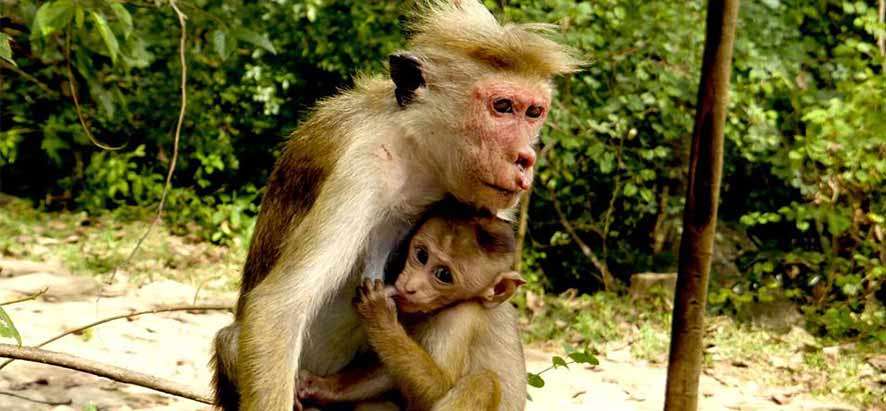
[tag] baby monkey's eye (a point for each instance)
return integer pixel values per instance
(443, 274)
(421, 255)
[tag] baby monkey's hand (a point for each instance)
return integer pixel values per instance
(314, 388)
(374, 302)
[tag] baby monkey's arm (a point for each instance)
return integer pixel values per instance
(421, 379)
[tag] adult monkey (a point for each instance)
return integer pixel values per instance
(461, 116)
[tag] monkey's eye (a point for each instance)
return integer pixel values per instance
(443, 274)
(421, 255)
(534, 111)
(503, 106)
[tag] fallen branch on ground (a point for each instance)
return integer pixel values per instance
(102, 370)
(23, 299)
(130, 315)
(38, 401)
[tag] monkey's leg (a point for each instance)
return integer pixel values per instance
(224, 361)
(477, 391)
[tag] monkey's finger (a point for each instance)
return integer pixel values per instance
(379, 285)
(390, 291)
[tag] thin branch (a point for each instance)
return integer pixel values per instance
(130, 315)
(102, 370)
(22, 397)
(30, 78)
(178, 129)
(604, 277)
(72, 83)
(521, 229)
(28, 298)
(882, 40)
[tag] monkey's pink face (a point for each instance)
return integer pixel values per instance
(502, 128)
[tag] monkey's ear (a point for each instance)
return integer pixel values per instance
(407, 76)
(503, 287)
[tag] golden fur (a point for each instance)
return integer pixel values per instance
(349, 184)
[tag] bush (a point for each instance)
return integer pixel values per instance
(805, 159)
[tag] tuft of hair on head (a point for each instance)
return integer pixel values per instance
(495, 236)
(467, 30)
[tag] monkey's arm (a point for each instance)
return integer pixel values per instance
(423, 378)
(317, 257)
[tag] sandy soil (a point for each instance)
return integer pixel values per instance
(176, 346)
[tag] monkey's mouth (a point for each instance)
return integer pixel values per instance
(500, 189)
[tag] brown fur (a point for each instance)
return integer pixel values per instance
(357, 174)
(457, 354)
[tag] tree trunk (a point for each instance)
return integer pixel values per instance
(700, 215)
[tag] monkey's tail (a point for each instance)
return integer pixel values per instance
(225, 396)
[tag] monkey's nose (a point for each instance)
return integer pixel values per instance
(525, 159)
(404, 289)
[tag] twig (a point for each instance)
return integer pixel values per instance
(102, 370)
(72, 83)
(49, 92)
(585, 249)
(882, 40)
(28, 298)
(22, 397)
(130, 315)
(521, 229)
(178, 129)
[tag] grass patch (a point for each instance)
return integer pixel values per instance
(95, 244)
(794, 360)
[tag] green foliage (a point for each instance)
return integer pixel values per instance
(253, 71)
(7, 328)
(805, 153)
(583, 356)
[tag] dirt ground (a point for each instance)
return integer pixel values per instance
(176, 346)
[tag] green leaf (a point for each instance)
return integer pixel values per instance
(53, 16)
(7, 328)
(559, 362)
(254, 38)
(107, 35)
(535, 380)
(583, 357)
(79, 17)
(630, 189)
(5, 49)
(220, 44)
(124, 17)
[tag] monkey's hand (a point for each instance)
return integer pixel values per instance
(314, 388)
(375, 304)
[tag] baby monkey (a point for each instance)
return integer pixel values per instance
(456, 345)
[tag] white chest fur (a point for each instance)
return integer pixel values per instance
(337, 331)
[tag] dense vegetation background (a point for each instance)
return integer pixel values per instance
(804, 193)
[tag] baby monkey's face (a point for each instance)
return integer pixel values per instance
(452, 261)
